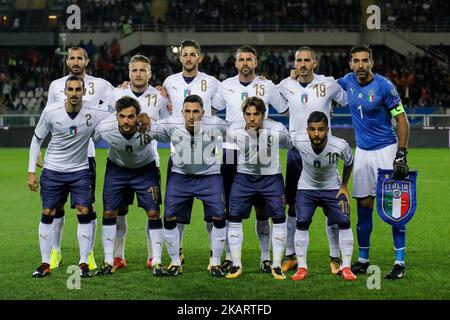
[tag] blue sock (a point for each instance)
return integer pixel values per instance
(399, 234)
(363, 231)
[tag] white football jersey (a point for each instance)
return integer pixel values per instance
(194, 154)
(68, 147)
(316, 96)
(129, 153)
(259, 154)
(152, 103)
(97, 92)
(203, 85)
(231, 94)
(320, 171)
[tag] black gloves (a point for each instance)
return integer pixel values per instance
(400, 167)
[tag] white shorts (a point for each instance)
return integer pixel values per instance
(365, 169)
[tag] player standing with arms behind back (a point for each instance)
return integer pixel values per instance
(373, 101)
(307, 93)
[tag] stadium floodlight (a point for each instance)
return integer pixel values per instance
(174, 49)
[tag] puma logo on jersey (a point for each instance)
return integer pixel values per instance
(174, 88)
(57, 122)
(352, 90)
(231, 90)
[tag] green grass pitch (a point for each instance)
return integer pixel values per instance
(427, 257)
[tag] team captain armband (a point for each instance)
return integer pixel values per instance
(397, 110)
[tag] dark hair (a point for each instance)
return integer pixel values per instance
(77, 49)
(361, 48)
(247, 49)
(318, 116)
(126, 102)
(74, 78)
(194, 99)
(190, 43)
(309, 49)
(256, 102)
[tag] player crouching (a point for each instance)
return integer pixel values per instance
(321, 185)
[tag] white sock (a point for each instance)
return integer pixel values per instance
(58, 227)
(119, 245)
(301, 240)
(149, 242)
(84, 234)
(333, 239)
(346, 241)
(108, 239)
(263, 232)
(45, 241)
(218, 242)
(291, 226)
(209, 227)
(180, 227)
(157, 240)
(94, 233)
(227, 246)
(278, 242)
(172, 239)
(235, 238)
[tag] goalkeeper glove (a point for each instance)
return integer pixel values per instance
(400, 167)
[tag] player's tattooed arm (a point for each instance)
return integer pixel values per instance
(343, 190)
(144, 122)
(32, 181)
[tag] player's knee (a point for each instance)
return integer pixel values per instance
(49, 212)
(366, 202)
(219, 222)
(303, 225)
(110, 214)
(82, 210)
(170, 223)
(153, 214)
(278, 220)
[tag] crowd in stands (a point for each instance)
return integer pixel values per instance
(238, 15)
(25, 74)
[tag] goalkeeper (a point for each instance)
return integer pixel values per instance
(373, 102)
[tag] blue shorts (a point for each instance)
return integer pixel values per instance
(293, 170)
(56, 186)
(122, 182)
(169, 172)
(93, 170)
(247, 188)
(308, 200)
(181, 190)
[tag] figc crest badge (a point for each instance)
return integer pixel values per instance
(396, 199)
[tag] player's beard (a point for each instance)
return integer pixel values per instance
(246, 71)
(190, 68)
(140, 85)
(127, 129)
(79, 71)
(362, 74)
(317, 142)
